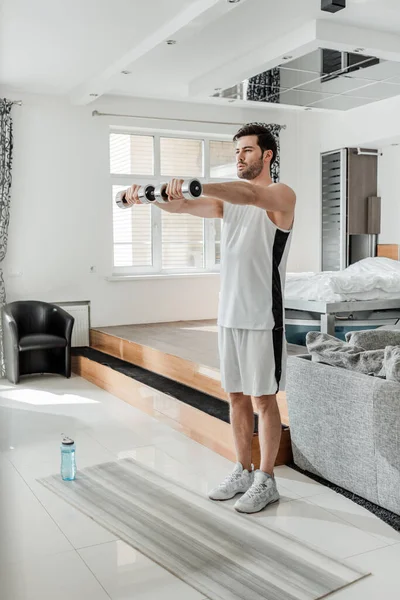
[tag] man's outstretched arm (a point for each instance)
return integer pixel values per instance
(276, 197)
(207, 208)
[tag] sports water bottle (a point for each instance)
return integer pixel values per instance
(68, 464)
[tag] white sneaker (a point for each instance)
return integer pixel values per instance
(262, 492)
(238, 482)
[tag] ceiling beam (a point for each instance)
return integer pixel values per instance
(103, 82)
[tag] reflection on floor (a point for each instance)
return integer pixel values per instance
(49, 550)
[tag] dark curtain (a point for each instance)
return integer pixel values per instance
(265, 87)
(276, 167)
(6, 149)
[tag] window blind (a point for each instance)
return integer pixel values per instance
(181, 157)
(182, 244)
(182, 241)
(222, 160)
(131, 154)
(331, 216)
(132, 232)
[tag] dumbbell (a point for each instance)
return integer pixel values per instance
(191, 189)
(148, 194)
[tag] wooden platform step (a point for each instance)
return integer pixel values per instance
(199, 377)
(198, 425)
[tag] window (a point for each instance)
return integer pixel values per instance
(182, 242)
(131, 154)
(132, 235)
(146, 239)
(222, 160)
(181, 157)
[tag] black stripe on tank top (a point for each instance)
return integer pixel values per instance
(280, 241)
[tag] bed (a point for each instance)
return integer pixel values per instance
(366, 294)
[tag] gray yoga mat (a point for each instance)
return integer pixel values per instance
(224, 556)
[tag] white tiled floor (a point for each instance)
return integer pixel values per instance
(49, 550)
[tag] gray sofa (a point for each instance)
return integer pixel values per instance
(345, 427)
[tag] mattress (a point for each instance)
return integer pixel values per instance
(368, 279)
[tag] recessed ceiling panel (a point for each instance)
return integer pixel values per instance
(302, 98)
(290, 77)
(324, 78)
(341, 103)
(339, 85)
(394, 80)
(376, 91)
(308, 62)
(378, 72)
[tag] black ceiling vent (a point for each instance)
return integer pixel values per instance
(333, 6)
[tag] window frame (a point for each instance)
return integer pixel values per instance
(209, 232)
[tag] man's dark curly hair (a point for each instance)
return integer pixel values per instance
(265, 138)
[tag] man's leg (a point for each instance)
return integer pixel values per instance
(242, 421)
(269, 431)
(260, 366)
(242, 477)
(264, 490)
(241, 410)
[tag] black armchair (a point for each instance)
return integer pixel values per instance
(36, 339)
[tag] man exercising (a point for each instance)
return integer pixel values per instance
(257, 222)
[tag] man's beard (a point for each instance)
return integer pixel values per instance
(252, 171)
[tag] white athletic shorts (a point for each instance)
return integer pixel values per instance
(252, 361)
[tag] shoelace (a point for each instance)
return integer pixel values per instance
(230, 478)
(256, 489)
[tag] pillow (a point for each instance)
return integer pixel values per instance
(328, 349)
(392, 363)
(374, 339)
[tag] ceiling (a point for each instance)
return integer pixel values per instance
(80, 49)
(323, 79)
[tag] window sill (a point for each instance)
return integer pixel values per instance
(162, 276)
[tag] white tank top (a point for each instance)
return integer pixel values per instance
(254, 254)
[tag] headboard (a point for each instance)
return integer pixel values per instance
(388, 251)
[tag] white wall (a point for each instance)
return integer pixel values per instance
(306, 244)
(61, 207)
(366, 126)
(389, 191)
(373, 126)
